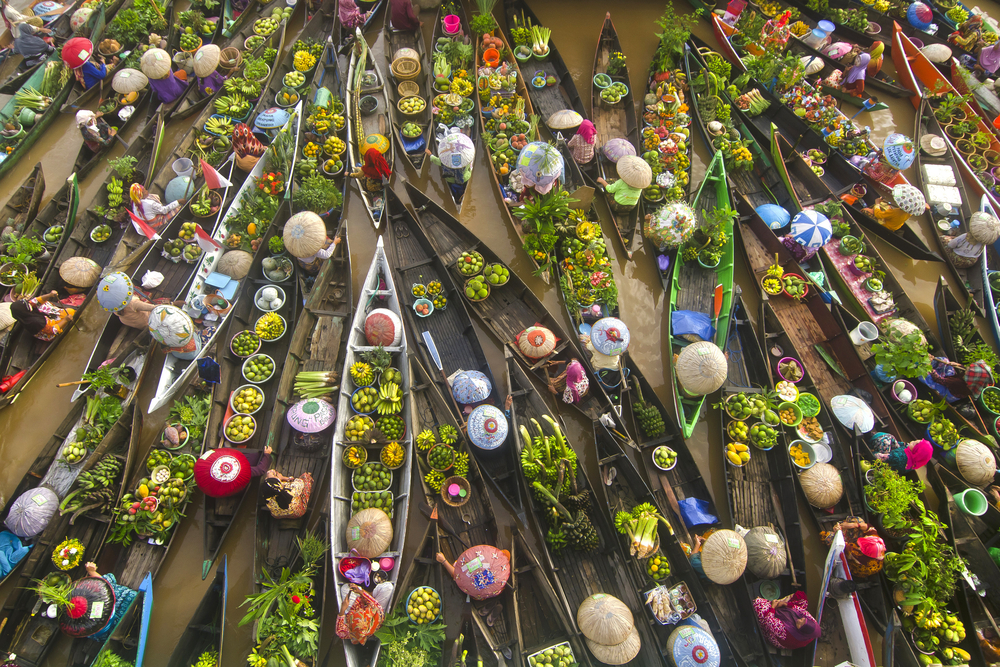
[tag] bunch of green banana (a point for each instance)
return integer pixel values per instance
(234, 105)
(390, 399)
(115, 192)
(94, 488)
(962, 322)
(222, 126)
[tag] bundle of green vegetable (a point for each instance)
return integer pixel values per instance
(29, 98)
(313, 384)
(640, 526)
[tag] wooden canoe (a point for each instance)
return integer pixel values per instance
(22, 207)
(129, 636)
(377, 290)
(13, 73)
(395, 40)
(614, 122)
(206, 629)
(693, 287)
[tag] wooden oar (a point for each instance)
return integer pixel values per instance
(436, 358)
(719, 291)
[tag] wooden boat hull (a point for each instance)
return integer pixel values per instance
(205, 631)
(128, 639)
(395, 40)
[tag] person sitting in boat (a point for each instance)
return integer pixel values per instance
(909, 201)
(29, 42)
(311, 265)
(582, 145)
(624, 197)
(375, 170)
(94, 71)
(786, 623)
(863, 547)
(96, 133)
(402, 16)
(287, 497)
(350, 16)
(855, 68)
(969, 35)
(224, 472)
(149, 207)
(900, 456)
(876, 54)
(955, 381)
(42, 318)
(123, 598)
(456, 153)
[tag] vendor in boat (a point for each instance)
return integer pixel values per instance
(909, 201)
(350, 16)
(206, 60)
(375, 169)
(969, 35)
(96, 133)
(456, 153)
(583, 143)
(988, 60)
(635, 175)
(93, 71)
(900, 456)
(31, 41)
(786, 623)
(956, 381)
(311, 265)
(402, 16)
(855, 68)
(167, 85)
(225, 472)
(864, 548)
(287, 497)
(84, 608)
(149, 207)
(41, 316)
(876, 54)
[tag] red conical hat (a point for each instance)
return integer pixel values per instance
(222, 472)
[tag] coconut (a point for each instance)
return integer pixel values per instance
(605, 619)
(369, 532)
(235, 264)
(724, 556)
(822, 485)
(276, 303)
(766, 556)
(269, 294)
(976, 463)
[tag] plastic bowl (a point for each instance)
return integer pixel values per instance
(657, 464)
(729, 461)
(256, 297)
(225, 429)
(798, 363)
(794, 408)
(243, 369)
(602, 80)
(283, 331)
(241, 388)
(807, 448)
(439, 606)
(423, 302)
(52, 244)
(244, 356)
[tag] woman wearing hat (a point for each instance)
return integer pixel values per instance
(582, 145)
(96, 133)
(635, 175)
(855, 68)
(155, 64)
(206, 59)
(149, 207)
(350, 16)
(955, 381)
(375, 169)
(864, 549)
(457, 152)
(901, 456)
(225, 472)
(42, 318)
(28, 42)
(909, 202)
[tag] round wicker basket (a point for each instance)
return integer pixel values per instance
(408, 89)
(405, 68)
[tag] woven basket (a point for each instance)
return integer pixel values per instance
(408, 89)
(405, 68)
(246, 163)
(230, 59)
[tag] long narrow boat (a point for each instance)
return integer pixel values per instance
(761, 493)
(471, 130)
(395, 41)
(990, 264)
(366, 81)
(23, 353)
(500, 179)
(986, 525)
(22, 207)
(378, 290)
(176, 372)
(605, 571)
(978, 607)
(12, 69)
(220, 513)
(469, 523)
(919, 75)
(510, 310)
(614, 122)
(128, 639)
(318, 343)
(548, 99)
(693, 286)
(11, 108)
(206, 629)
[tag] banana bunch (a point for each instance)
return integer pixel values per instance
(234, 105)
(94, 488)
(390, 399)
(115, 192)
(222, 126)
(963, 323)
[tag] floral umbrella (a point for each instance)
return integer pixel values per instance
(671, 225)
(470, 387)
(540, 165)
(115, 291)
(909, 198)
(610, 336)
(811, 228)
(899, 151)
(487, 427)
(851, 411)
(170, 326)
(482, 571)
(311, 415)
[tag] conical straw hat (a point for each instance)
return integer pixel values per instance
(304, 234)
(206, 59)
(128, 81)
(155, 63)
(80, 271)
(701, 368)
(635, 171)
(724, 556)
(564, 119)
(617, 654)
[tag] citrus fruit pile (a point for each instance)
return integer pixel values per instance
(258, 368)
(476, 289)
(372, 476)
(247, 400)
(497, 274)
(664, 457)
(240, 428)
(423, 605)
(738, 454)
(245, 343)
(470, 263)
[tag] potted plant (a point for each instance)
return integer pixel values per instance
(861, 265)
(874, 282)
(19, 256)
(709, 258)
(851, 245)
(992, 158)
(956, 130)
(981, 140)
(903, 355)
(950, 108)
(977, 162)
(965, 147)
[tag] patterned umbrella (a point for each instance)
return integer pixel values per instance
(470, 387)
(114, 291)
(909, 198)
(617, 148)
(811, 228)
(540, 165)
(536, 342)
(222, 472)
(899, 151)
(775, 216)
(378, 141)
(609, 336)
(482, 571)
(456, 151)
(487, 427)
(919, 15)
(671, 225)
(851, 411)
(170, 326)
(92, 605)
(311, 415)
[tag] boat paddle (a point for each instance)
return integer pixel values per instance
(436, 358)
(432, 514)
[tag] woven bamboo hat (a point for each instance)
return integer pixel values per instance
(206, 59)
(635, 171)
(564, 119)
(701, 368)
(128, 81)
(724, 556)
(155, 63)
(617, 654)
(80, 271)
(304, 234)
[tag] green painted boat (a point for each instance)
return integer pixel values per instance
(694, 286)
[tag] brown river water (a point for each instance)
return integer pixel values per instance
(575, 24)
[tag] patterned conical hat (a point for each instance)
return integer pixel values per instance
(909, 198)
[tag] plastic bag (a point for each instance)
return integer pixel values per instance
(695, 512)
(152, 279)
(692, 326)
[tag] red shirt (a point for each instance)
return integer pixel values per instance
(403, 16)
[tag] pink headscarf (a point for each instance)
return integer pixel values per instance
(587, 131)
(918, 455)
(577, 383)
(350, 15)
